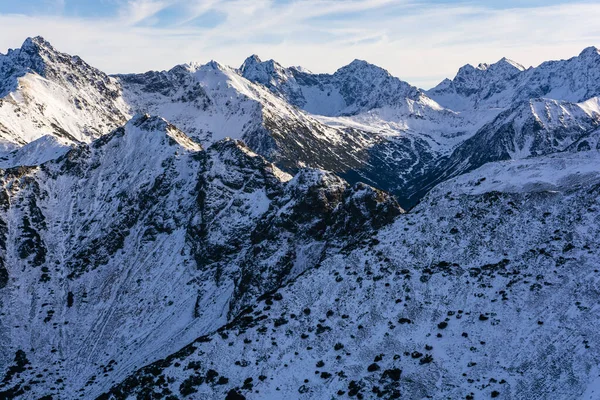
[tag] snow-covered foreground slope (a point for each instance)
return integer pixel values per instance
(122, 251)
(487, 289)
(45, 92)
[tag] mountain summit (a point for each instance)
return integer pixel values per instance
(46, 92)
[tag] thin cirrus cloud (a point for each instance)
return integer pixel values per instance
(421, 41)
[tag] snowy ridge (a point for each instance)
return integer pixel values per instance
(362, 96)
(348, 91)
(37, 152)
(474, 86)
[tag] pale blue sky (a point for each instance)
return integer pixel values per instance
(421, 41)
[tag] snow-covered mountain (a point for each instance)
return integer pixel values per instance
(486, 113)
(407, 128)
(211, 102)
(506, 82)
(45, 92)
(531, 128)
(363, 96)
(476, 87)
(235, 238)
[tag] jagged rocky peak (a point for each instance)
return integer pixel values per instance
(361, 66)
(234, 153)
(212, 64)
(576, 79)
(250, 62)
(591, 51)
(507, 62)
(269, 73)
(367, 74)
(151, 130)
(365, 86)
(503, 65)
(37, 45)
(346, 209)
(33, 54)
(357, 87)
(479, 87)
(503, 69)
(500, 85)
(148, 123)
(39, 56)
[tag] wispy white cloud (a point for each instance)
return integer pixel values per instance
(134, 11)
(419, 42)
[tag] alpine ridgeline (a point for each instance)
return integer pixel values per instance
(240, 233)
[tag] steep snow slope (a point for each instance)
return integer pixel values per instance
(44, 92)
(487, 289)
(39, 151)
(86, 251)
(122, 251)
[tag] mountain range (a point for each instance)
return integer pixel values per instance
(264, 232)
